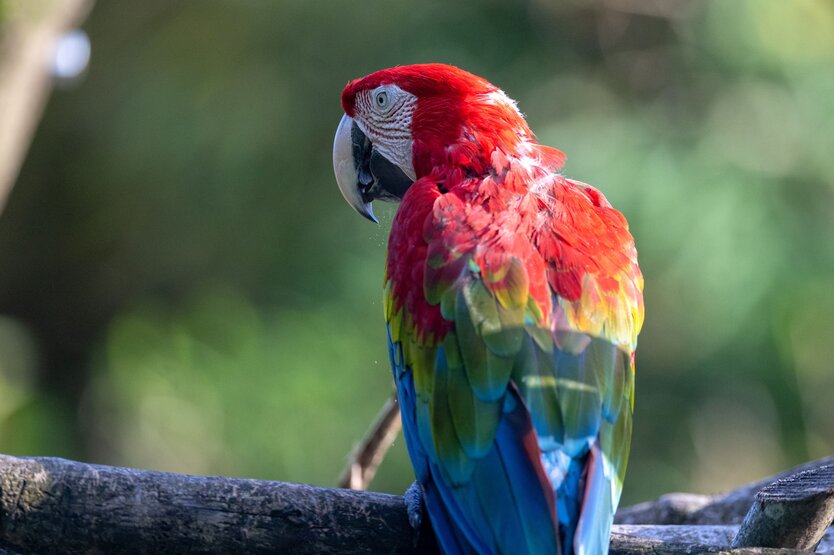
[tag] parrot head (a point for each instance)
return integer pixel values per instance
(402, 123)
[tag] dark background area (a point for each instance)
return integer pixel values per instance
(183, 288)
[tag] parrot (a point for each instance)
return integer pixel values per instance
(512, 300)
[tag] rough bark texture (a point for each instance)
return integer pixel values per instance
(792, 512)
(687, 508)
(643, 538)
(58, 506)
(631, 545)
(27, 40)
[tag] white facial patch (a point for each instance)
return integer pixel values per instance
(384, 115)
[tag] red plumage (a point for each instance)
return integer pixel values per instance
(513, 305)
(575, 230)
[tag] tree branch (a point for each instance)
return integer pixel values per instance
(793, 512)
(688, 508)
(58, 506)
(642, 539)
(365, 459)
(27, 41)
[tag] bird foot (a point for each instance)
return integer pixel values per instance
(415, 506)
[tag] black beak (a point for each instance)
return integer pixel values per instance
(379, 178)
(362, 172)
(362, 150)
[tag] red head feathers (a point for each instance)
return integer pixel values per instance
(459, 120)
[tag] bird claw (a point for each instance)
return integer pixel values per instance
(413, 497)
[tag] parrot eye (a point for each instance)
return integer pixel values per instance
(381, 100)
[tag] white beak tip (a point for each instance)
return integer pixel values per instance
(368, 212)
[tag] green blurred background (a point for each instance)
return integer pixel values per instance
(183, 288)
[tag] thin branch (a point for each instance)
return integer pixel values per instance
(366, 457)
(28, 40)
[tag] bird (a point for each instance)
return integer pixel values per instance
(513, 300)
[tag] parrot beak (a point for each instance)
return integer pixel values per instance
(363, 173)
(354, 181)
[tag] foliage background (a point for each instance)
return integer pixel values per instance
(182, 287)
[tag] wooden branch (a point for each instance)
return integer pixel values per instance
(687, 508)
(794, 512)
(642, 539)
(365, 459)
(59, 506)
(28, 41)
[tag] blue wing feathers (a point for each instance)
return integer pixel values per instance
(551, 479)
(445, 514)
(594, 526)
(530, 487)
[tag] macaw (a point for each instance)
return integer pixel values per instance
(513, 301)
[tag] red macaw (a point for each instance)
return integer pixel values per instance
(513, 301)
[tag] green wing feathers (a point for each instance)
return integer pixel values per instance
(577, 388)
